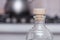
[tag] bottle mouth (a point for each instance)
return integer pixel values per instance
(39, 11)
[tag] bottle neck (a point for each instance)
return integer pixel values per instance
(39, 25)
(40, 22)
(39, 19)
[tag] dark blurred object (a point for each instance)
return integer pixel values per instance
(23, 14)
(6, 19)
(56, 19)
(49, 20)
(3, 18)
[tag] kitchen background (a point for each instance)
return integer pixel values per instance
(19, 31)
(52, 11)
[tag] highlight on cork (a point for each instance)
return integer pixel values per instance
(39, 11)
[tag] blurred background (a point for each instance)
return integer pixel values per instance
(15, 26)
(52, 11)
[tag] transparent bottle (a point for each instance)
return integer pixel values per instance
(39, 31)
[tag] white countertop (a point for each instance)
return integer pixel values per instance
(17, 31)
(20, 37)
(19, 28)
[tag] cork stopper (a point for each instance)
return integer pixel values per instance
(39, 14)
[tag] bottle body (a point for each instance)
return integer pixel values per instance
(39, 32)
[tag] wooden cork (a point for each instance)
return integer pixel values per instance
(39, 14)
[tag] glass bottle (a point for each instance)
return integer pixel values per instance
(39, 31)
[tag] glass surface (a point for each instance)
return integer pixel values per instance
(39, 32)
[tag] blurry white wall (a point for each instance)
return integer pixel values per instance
(52, 6)
(2, 3)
